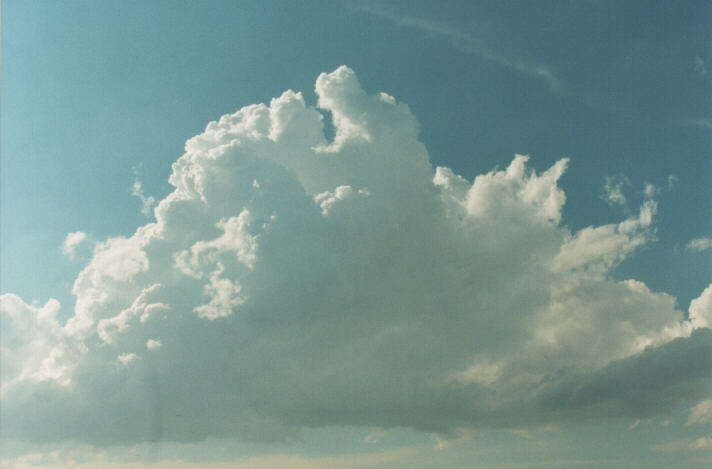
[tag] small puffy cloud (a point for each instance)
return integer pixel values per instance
(71, 242)
(147, 203)
(704, 442)
(126, 358)
(650, 190)
(613, 190)
(152, 344)
(292, 282)
(700, 68)
(701, 413)
(672, 181)
(699, 244)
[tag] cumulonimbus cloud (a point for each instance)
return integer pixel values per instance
(289, 281)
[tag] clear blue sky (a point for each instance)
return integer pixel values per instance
(97, 95)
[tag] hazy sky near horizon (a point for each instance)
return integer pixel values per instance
(453, 234)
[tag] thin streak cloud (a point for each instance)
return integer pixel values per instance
(465, 41)
(704, 123)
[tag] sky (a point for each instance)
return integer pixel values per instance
(355, 234)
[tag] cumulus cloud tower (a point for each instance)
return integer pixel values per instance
(289, 281)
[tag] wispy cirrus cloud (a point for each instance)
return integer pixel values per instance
(467, 41)
(684, 446)
(704, 123)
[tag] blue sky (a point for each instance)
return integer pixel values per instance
(97, 96)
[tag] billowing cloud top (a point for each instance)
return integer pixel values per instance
(289, 281)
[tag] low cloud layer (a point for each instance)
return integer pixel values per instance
(292, 282)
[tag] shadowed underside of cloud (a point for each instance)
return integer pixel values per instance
(292, 282)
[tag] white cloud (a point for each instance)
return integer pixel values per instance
(484, 373)
(31, 343)
(71, 242)
(672, 181)
(466, 41)
(224, 296)
(108, 328)
(704, 442)
(701, 309)
(701, 413)
(650, 190)
(152, 344)
(147, 203)
(352, 285)
(327, 199)
(613, 191)
(126, 358)
(599, 249)
(704, 123)
(699, 244)
(700, 67)
(235, 237)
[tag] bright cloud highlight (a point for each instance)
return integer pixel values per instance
(699, 244)
(147, 203)
(71, 242)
